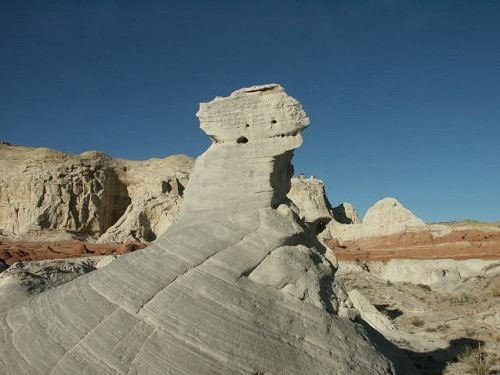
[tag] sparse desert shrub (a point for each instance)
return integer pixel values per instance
(430, 329)
(496, 291)
(443, 327)
(416, 321)
(388, 283)
(476, 359)
(463, 298)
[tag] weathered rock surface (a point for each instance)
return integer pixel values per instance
(50, 195)
(202, 298)
(308, 194)
(427, 271)
(386, 217)
(46, 195)
(369, 313)
(24, 279)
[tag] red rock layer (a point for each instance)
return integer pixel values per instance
(459, 245)
(15, 251)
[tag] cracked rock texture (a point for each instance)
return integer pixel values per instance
(50, 195)
(47, 195)
(309, 196)
(24, 279)
(234, 286)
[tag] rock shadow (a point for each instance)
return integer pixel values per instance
(434, 362)
(390, 313)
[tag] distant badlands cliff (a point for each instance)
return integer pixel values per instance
(50, 195)
(49, 199)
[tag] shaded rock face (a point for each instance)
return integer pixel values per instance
(346, 213)
(204, 298)
(50, 195)
(80, 195)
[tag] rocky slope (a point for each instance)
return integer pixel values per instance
(434, 324)
(236, 285)
(50, 195)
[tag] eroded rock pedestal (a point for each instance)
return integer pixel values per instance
(235, 286)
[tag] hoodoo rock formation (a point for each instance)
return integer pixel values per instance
(234, 286)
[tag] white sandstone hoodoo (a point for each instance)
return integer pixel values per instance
(234, 286)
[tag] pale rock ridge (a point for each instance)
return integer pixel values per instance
(46, 194)
(386, 217)
(203, 298)
(41, 201)
(433, 272)
(74, 194)
(389, 211)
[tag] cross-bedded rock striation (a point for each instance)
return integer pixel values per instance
(234, 286)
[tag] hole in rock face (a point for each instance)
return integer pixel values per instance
(273, 121)
(247, 126)
(242, 140)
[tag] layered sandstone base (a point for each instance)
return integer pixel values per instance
(23, 251)
(459, 244)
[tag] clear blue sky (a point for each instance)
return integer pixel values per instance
(404, 96)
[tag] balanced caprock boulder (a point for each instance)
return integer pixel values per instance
(234, 286)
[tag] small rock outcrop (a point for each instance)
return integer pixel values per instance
(386, 217)
(346, 213)
(389, 215)
(308, 194)
(234, 286)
